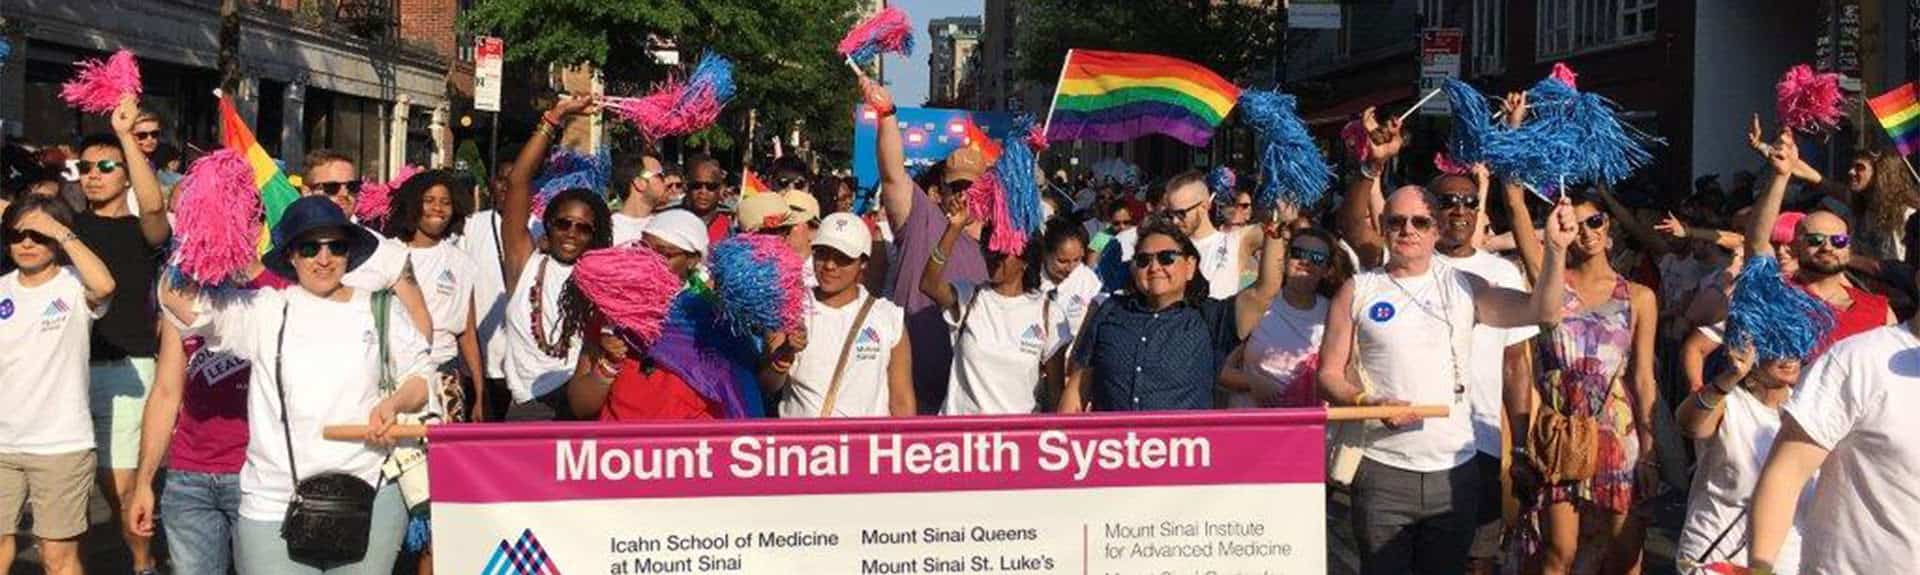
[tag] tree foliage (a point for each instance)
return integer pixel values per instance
(1234, 39)
(783, 52)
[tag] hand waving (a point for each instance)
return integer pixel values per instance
(877, 96)
(1672, 226)
(1383, 141)
(1515, 108)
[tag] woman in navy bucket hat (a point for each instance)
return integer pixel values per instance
(331, 372)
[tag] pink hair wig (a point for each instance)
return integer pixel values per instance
(218, 223)
(1565, 75)
(1809, 102)
(630, 285)
(99, 85)
(887, 31)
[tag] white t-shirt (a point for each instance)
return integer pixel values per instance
(446, 279)
(628, 228)
(1284, 350)
(1487, 383)
(1856, 401)
(863, 386)
(43, 365)
(1127, 239)
(531, 373)
(381, 270)
(1410, 353)
(1220, 262)
(1723, 482)
(332, 370)
(996, 362)
(1079, 293)
(481, 242)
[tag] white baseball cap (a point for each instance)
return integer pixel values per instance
(680, 229)
(846, 233)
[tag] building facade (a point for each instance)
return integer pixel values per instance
(951, 63)
(372, 79)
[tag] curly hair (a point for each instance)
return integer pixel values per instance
(409, 203)
(602, 215)
(1883, 208)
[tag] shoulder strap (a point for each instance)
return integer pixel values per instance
(840, 365)
(280, 387)
(383, 304)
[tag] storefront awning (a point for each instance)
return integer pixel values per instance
(1340, 113)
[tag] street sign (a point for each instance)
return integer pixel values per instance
(488, 53)
(1440, 50)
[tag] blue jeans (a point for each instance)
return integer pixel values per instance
(199, 511)
(258, 548)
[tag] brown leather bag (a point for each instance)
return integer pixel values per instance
(1564, 447)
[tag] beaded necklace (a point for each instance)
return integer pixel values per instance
(557, 349)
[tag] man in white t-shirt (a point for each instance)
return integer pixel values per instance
(1499, 354)
(481, 241)
(876, 377)
(1222, 254)
(1405, 510)
(1850, 419)
(646, 185)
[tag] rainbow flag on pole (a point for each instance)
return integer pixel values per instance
(1899, 112)
(750, 184)
(1119, 96)
(276, 193)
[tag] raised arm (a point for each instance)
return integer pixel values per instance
(1502, 307)
(1700, 415)
(94, 277)
(933, 277)
(146, 185)
(896, 187)
(1783, 156)
(1366, 198)
(1252, 302)
(515, 240)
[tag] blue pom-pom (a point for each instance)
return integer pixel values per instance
(714, 74)
(1472, 123)
(1018, 180)
(758, 281)
(419, 533)
(567, 170)
(1221, 182)
(1568, 138)
(1781, 321)
(1294, 169)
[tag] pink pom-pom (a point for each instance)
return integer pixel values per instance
(631, 285)
(1809, 102)
(887, 31)
(99, 85)
(983, 198)
(1564, 74)
(987, 202)
(1445, 165)
(1037, 139)
(218, 219)
(774, 251)
(1354, 135)
(376, 199)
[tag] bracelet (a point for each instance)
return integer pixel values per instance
(936, 257)
(550, 119)
(606, 369)
(1368, 174)
(70, 236)
(544, 129)
(1361, 398)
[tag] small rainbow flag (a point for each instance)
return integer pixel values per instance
(1899, 112)
(276, 193)
(1119, 96)
(750, 184)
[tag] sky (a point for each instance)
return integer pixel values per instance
(908, 76)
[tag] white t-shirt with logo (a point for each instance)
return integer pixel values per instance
(1487, 383)
(863, 385)
(996, 361)
(481, 242)
(1723, 482)
(43, 364)
(381, 270)
(446, 279)
(1415, 345)
(331, 363)
(1283, 351)
(628, 228)
(1220, 262)
(531, 373)
(1858, 401)
(1077, 294)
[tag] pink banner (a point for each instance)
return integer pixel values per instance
(491, 463)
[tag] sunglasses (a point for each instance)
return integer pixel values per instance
(704, 186)
(311, 248)
(1179, 214)
(1449, 201)
(331, 189)
(790, 183)
(1420, 223)
(1838, 241)
(1315, 257)
(571, 226)
(32, 236)
(147, 135)
(1595, 221)
(1163, 257)
(86, 167)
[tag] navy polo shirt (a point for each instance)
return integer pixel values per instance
(1145, 359)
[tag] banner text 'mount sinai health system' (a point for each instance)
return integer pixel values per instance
(1216, 492)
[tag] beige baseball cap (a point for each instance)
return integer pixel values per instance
(965, 163)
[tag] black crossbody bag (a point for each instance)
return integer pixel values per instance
(330, 517)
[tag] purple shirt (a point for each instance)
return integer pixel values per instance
(926, 330)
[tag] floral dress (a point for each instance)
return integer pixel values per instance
(1583, 368)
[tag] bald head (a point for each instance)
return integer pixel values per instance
(1821, 222)
(1408, 200)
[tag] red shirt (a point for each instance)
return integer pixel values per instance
(652, 393)
(1868, 311)
(720, 228)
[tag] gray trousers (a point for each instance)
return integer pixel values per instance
(1412, 522)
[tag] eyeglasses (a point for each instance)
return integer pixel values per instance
(790, 183)
(705, 186)
(331, 189)
(1315, 257)
(1595, 221)
(1179, 214)
(571, 226)
(1838, 241)
(1449, 201)
(1398, 222)
(311, 248)
(147, 135)
(33, 236)
(85, 167)
(1163, 257)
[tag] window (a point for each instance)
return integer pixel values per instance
(1568, 27)
(1489, 36)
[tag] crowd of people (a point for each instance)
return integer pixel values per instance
(1582, 349)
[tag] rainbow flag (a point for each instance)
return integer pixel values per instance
(1119, 96)
(1899, 112)
(750, 184)
(276, 193)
